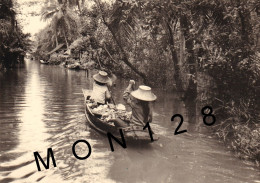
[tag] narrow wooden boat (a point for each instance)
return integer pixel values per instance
(43, 62)
(73, 66)
(131, 133)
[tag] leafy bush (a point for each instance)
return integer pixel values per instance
(241, 130)
(56, 59)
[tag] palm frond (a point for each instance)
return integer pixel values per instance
(123, 19)
(49, 11)
(47, 15)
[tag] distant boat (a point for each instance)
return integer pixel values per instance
(43, 62)
(73, 66)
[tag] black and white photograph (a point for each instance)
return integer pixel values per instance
(130, 91)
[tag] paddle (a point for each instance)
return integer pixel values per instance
(113, 100)
(112, 79)
(111, 97)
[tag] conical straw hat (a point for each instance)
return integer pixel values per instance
(144, 93)
(101, 77)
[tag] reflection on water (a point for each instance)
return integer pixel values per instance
(33, 128)
(42, 106)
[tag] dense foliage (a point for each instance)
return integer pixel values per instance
(13, 42)
(206, 49)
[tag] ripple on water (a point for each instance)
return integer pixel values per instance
(43, 108)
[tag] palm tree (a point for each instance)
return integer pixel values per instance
(63, 21)
(121, 26)
(72, 3)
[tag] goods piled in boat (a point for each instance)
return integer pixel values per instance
(110, 111)
(101, 109)
(124, 115)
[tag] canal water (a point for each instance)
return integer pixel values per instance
(42, 107)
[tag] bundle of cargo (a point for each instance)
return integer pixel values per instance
(101, 109)
(110, 111)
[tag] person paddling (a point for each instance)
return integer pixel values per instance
(140, 102)
(100, 93)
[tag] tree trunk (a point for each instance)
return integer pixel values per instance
(175, 59)
(56, 38)
(191, 91)
(78, 4)
(82, 3)
(67, 44)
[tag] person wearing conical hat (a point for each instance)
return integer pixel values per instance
(139, 100)
(100, 93)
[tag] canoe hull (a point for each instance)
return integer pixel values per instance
(43, 62)
(133, 134)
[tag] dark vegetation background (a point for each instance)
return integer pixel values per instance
(206, 50)
(13, 43)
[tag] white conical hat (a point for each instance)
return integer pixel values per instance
(144, 93)
(101, 77)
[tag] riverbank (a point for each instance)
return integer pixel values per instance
(240, 131)
(68, 62)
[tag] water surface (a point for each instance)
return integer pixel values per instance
(42, 106)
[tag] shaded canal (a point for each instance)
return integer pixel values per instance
(42, 106)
